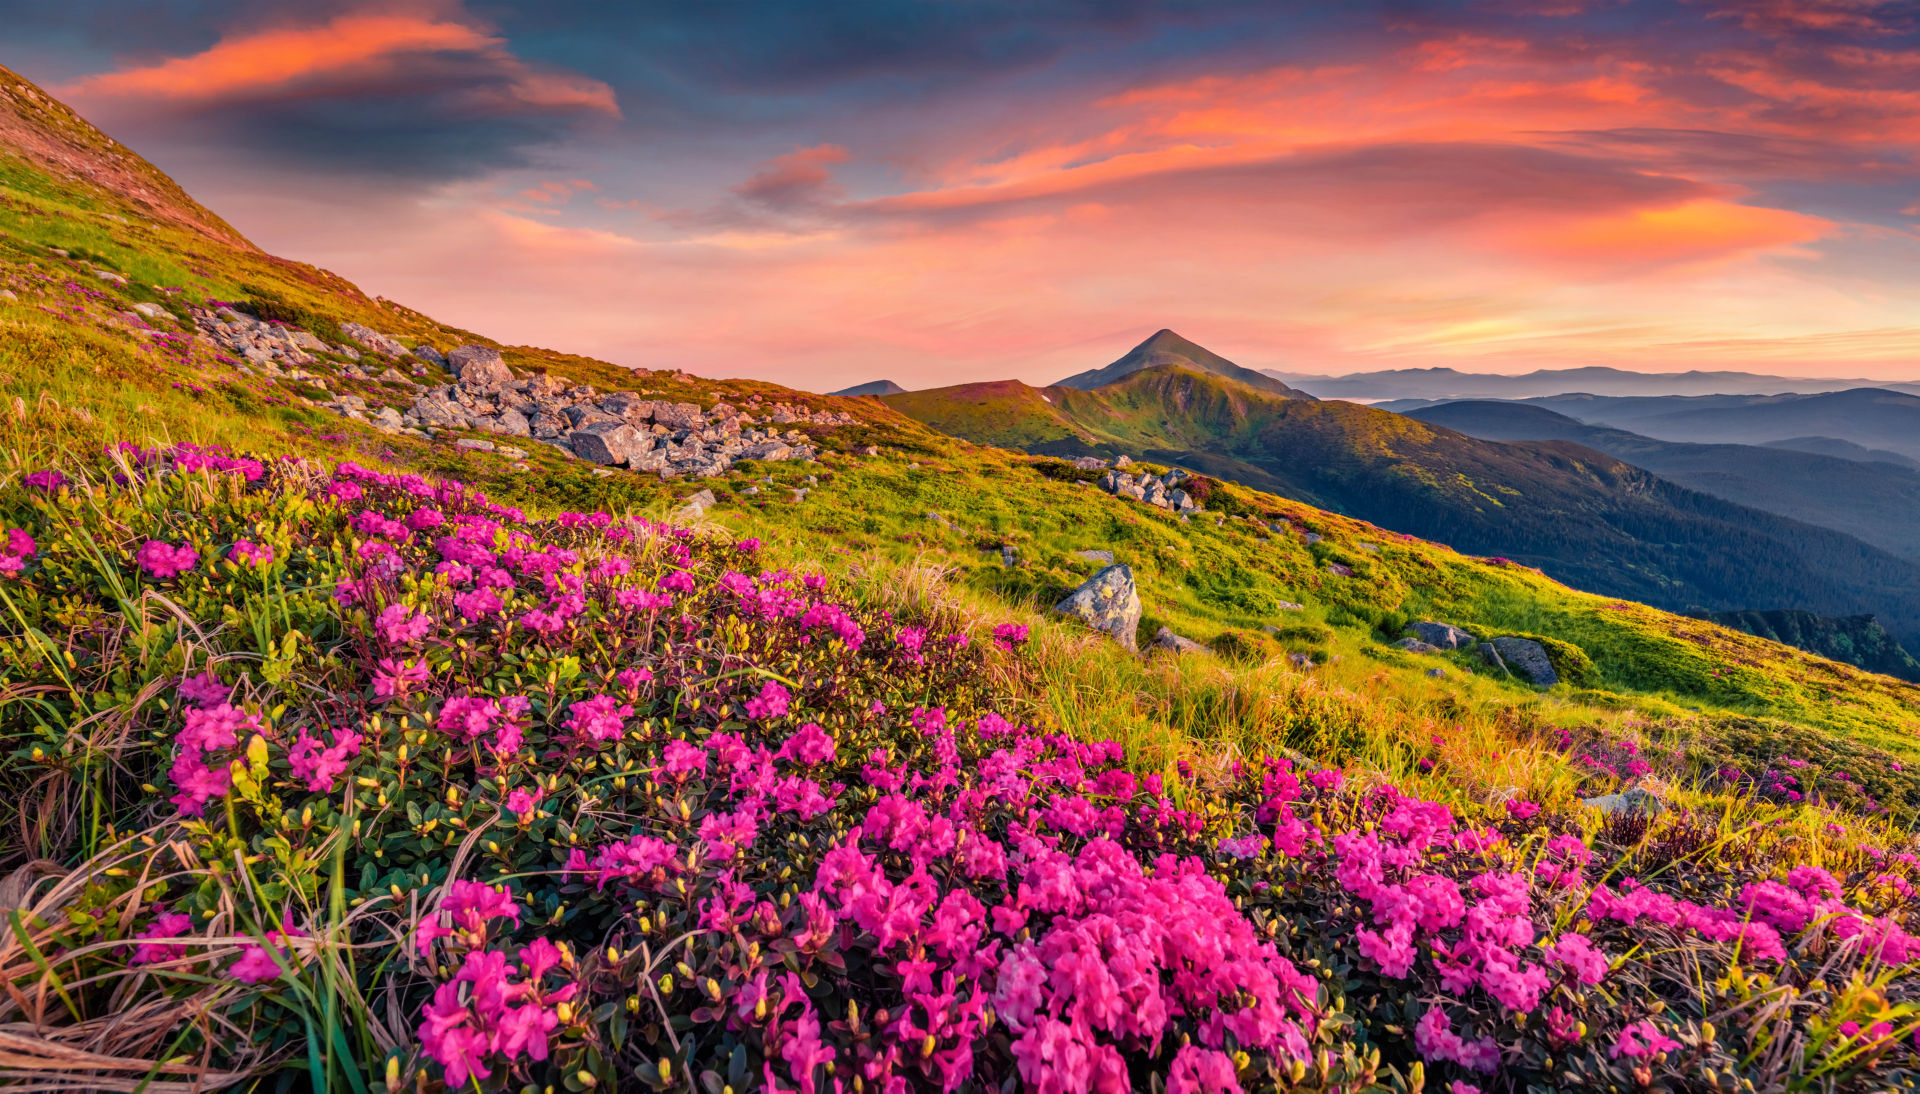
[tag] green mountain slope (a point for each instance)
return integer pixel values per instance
(1164, 348)
(1876, 502)
(1855, 639)
(1585, 517)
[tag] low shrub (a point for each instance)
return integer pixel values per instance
(405, 785)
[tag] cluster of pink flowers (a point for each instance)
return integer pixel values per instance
(493, 1009)
(164, 560)
(47, 479)
(500, 723)
(601, 718)
(200, 770)
(248, 553)
(317, 764)
(17, 549)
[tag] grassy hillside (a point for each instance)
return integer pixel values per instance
(1587, 518)
(321, 770)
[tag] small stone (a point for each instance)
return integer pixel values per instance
(696, 506)
(1414, 645)
(1165, 639)
(1339, 569)
(1095, 556)
(474, 444)
(1290, 606)
(1632, 800)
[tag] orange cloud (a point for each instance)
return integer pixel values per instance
(1697, 231)
(271, 61)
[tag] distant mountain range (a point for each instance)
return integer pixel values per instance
(1438, 384)
(1878, 502)
(1869, 418)
(871, 387)
(1588, 518)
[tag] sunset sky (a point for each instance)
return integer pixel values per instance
(936, 191)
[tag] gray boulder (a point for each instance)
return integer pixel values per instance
(611, 442)
(479, 366)
(1632, 800)
(1166, 640)
(1414, 645)
(429, 354)
(1444, 635)
(373, 339)
(1528, 660)
(1108, 602)
(512, 423)
(680, 415)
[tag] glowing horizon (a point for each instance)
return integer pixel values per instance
(1492, 186)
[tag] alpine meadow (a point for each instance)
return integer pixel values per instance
(1059, 706)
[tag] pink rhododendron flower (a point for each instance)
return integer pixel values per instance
(601, 718)
(164, 560)
(684, 758)
(809, 745)
(46, 479)
(402, 626)
(396, 678)
(316, 764)
(1641, 1039)
(771, 702)
(249, 553)
(166, 925)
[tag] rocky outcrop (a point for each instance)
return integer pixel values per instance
(265, 347)
(1414, 645)
(1444, 636)
(1160, 491)
(1108, 602)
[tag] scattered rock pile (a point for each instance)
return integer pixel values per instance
(1161, 491)
(613, 429)
(268, 346)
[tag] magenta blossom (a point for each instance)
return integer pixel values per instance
(164, 560)
(47, 479)
(249, 553)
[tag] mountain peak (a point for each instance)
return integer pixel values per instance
(1166, 348)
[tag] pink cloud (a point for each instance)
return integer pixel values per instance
(275, 61)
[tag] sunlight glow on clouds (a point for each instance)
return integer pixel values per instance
(1495, 185)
